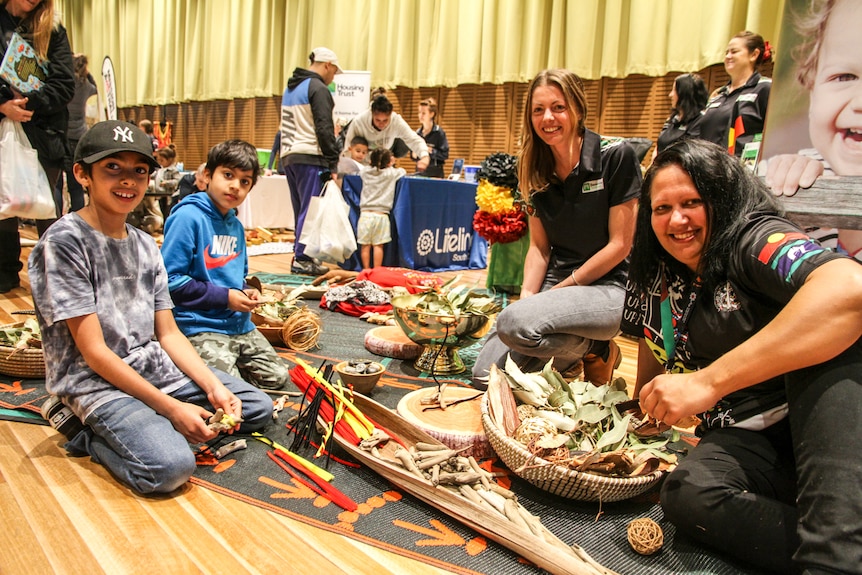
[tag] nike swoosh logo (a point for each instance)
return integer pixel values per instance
(216, 262)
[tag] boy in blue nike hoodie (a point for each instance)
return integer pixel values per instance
(205, 256)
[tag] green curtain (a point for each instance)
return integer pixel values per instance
(168, 51)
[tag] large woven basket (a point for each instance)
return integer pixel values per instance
(27, 362)
(561, 480)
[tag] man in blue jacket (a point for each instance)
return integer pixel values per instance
(309, 153)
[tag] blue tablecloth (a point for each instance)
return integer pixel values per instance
(432, 225)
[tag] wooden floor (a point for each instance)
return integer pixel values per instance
(68, 515)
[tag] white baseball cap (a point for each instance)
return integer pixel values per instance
(324, 54)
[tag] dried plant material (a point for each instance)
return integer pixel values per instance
(22, 335)
(584, 427)
(533, 428)
(552, 441)
(502, 404)
(301, 330)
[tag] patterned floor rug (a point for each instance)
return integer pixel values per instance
(393, 520)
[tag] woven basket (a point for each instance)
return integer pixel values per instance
(29, 362)
(560, 480)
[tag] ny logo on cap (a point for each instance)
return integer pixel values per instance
(123, 134)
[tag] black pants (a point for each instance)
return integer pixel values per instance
(793, 490)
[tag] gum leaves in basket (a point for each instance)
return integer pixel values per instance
(570, 438)
(427, 469)
(286, 323)
(21, 352)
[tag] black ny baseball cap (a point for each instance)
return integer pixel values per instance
(113, 136)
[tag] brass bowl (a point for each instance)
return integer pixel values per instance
(440, 334)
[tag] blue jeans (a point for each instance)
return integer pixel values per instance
(304, 183)
(788, 498)
(560, 324)
(143, 450)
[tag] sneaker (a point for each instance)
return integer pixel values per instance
(61, 417)
(308, 268)
(599, 369)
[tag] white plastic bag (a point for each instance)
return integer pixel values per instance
(24, 189)
(326, 232)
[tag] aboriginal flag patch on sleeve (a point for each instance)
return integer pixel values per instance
(785, 252)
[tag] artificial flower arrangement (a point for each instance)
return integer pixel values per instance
(500, 218)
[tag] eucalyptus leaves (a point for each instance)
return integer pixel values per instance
(589, 432)
(22, 335)
(450, 299)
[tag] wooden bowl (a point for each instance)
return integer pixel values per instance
(363, 383)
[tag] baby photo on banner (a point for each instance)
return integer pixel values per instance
(815, 116)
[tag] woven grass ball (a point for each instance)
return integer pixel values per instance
(645, 536)
(526, 410)
(532, 428)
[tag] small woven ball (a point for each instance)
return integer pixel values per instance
(645, 536)
(532, 428)
(525, 410)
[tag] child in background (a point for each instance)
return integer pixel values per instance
(150, 214)
(113, 353)
(167, 178)
(353, 162)
(375, 203)
(205, 256)
(830, 68)
(192, 183)
(147, 127)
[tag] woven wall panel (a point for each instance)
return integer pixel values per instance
(479, 119)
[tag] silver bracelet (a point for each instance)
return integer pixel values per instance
(574, 281)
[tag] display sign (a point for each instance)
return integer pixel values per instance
(351, 91)
(110, 88)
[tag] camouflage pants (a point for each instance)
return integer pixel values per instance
(248, 356)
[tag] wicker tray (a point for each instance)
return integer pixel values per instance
(560, 480)
(29, 362)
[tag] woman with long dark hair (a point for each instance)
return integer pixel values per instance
(755, 328)
(687, 100)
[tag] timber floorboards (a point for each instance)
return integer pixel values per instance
(67, 515)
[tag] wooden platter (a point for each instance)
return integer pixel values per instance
(458, 426)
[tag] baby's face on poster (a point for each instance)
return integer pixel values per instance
(835, 111)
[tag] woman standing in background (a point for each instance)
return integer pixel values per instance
(43, 113)
(737, 111)
(85, 86)
(435, 138)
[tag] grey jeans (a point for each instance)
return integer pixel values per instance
(561, 324)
